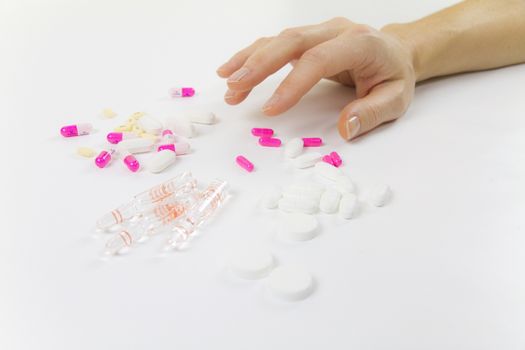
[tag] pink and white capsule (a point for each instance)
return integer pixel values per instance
(168, 140)
(244, 163)
(76, 130)
(262, 132)
(328, 159)
(104, 158)
(131, 162)
(312, 141)
(116, 137)
(182, 92)
(269, 142)
(336, 159)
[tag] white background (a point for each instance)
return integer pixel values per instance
(441, 267)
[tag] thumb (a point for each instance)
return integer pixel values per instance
(383, 103)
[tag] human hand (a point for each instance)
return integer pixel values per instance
(377, 64)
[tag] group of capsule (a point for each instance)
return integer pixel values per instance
(292, 149)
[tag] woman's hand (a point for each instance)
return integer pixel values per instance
(379, 65)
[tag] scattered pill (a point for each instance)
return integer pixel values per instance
(161, 160)
(244, 163)
(108, 113)
(290, 283)
(336, 159)
(181, 92)
(344, 184)
(104, 158)
(182, 147)
(348, 206)
(123, 128)
(271, 197)
(116, 137)
(293, 148)
(207, 118)
(86, 152)
(312, 141)
(137, 115)
(330, 201)
(150, 125)
(180, 125)
(327, 171)
(131, 162)
(307, 160)
(269, 142)
(298, 204)
(251, 262)
(151, 137)
(379, 195)
(299, 227)
(138, 145)
(305, 189)
(76, 130)
(262, 132)
(327, 159)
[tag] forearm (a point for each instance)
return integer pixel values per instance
(472, 35)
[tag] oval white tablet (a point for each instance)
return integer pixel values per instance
(182, 147)
(150, 125)
(307, 160)
(348, 206)
(294, 147)
(201, 117)
(138, 145)
(161, 160)
(327, 171)
(251, 263)
(307, 189)
(291, 283)
(299, 227)
(379, 195)
(330, 201)
(180, 126)
(298, 205)
(271, 197)
(344, 184)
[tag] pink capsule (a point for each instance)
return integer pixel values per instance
(131, 162)
(269, 142)
(336, 160)
(262, 132)
(116, 137)
(169, 146)
(76, 130)
(168, 136)
(104, 158)
(182, 92)
(244, 163)
(312, 141)
(328, 159)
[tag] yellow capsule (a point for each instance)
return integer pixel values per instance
(137, 115)
(86, 152)
(108, 113)
(122, 128)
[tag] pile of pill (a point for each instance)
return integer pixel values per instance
(176, 208)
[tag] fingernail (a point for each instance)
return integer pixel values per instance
(238, 75)
(271, 102)
(352, 127)
(229, 94)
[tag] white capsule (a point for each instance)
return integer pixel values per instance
(307, 160)
(294, 147)
(291, 283)
(379, 195)
(348, 206)
(201, 117)
(271, 197)
(298, 205)
(299, 227)
(182, 147)
(344, 184)
(161, 160)
(330, 201)
(180, 125)
(138, 145)
(327, 171)
(150, 125)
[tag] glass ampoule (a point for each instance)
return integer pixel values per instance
(211, 199)
(178, 186)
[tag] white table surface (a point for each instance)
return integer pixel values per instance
(441, 267)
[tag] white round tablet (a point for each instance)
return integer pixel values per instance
(299, 227)
(290, 283)
(251, 263)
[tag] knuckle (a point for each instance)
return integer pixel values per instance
(316, 56)
(362, 29)
(340, 21)
(294, 34)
